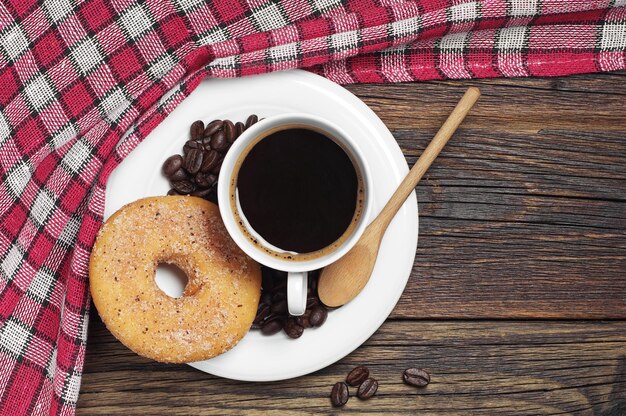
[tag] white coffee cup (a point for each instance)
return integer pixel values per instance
(296, 264)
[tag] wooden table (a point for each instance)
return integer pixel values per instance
(517, 301)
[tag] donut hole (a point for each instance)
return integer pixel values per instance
(171, 280)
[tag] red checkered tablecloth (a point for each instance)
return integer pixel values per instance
(82, 82)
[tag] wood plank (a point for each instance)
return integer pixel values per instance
(480, 367)
(524, 212)
(593, 102)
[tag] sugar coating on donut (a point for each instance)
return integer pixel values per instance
(219, 302)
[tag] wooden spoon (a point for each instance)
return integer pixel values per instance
(343, 280)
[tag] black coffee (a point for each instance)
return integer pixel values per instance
(298, 189)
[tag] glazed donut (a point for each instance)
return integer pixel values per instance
(221, 297)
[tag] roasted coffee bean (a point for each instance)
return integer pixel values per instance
(192, 144)
(212, 127)
(172, 164)
(357, 376)
(292, 329)
(192, 161)
(272, 325)
(184, 186)
(367, 389)
(197, 130)
(416, 377)
(179, 175)
(274, 294)
(262, 312)
(206, 143)
(339, 394)
(219, 142)
(251, 120)
(229, 131)
(202, 193)
(318, 315)
(173, 192)
(239, 128)
(303, 320)
(210, 159)
(217, 167)
(279, 307)
(205, 180)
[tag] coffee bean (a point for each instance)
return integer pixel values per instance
(197, 130)
(202, 193)
(303, 320)
(192, 161)
(172, 164)
(210, 159)
(274, 295)
(357, 376)
(292, 329)
(252, 119)
(262, 312)
(212, 127)
(219, 142)
(184, 186)
(239, 128)
(272, 325)
(339, 394)
(229, 131)
(416, 377)
(318, 315)
(192, 144)
(206, 143)
(217, 167)
(279, 307)
(205, 180)
(173, 192)
(367, 389)
(179, 175)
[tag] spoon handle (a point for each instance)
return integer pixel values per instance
(426, 159)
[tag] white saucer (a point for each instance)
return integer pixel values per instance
(257, 357)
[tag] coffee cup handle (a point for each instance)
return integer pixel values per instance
(297, 285)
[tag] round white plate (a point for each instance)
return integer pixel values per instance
(257, 357)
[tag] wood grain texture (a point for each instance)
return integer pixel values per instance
(343, 280)
(505, 368)
(522, 218)
(523, 215)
